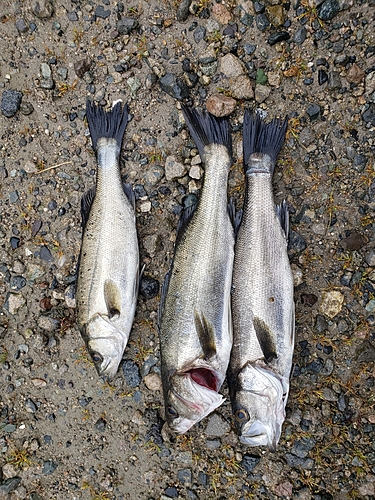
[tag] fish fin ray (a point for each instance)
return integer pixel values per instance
(111, 124)
(259, 137)
(112, 297)
(86, 203)
(164, 291)
(235, 217)
(282, 212)
(206, 129)
(129, 193)
(265, 339)
(206, 335)
(185, 217)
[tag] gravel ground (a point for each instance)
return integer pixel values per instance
(64, 433)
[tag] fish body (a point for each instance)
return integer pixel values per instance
(108, 272)
(195, 314)
(262, 296)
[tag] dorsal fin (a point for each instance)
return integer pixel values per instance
(206, 335)
(112, 297)
(282, 212)
(266, 339)
(86, 202)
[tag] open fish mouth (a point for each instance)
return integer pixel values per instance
(205, 378)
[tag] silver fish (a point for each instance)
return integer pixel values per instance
(108, 274)
(262, 295)
(195, 316)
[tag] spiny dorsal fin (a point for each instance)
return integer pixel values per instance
(206, 335)
(86, 202)
(112, 297)
(266, 339)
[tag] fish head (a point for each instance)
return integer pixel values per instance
(258, 407)
(105, 344)
(187, 401)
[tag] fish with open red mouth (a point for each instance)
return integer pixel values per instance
(195, 313)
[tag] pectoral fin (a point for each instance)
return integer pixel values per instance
(266, 339)
(112, 297)
(206, 335)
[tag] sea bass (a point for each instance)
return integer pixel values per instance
(108, 273)
(262, 295)
(195, 315)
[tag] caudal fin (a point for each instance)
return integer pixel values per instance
(206, 129)
(259, 137)
(111, 124)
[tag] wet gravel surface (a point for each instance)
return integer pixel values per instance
(64, 433)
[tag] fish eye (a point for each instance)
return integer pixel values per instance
(96, 357)
(172, 411)
(241, 415)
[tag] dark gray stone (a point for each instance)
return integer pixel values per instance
(183, 10)
(49, 466)
(171, 492)
(321, 324)
(131, 373)
(9, 485)
(126, 25)
(184, 476)
(314, 111)
(101, 12)
(249, 48)
(328, 10)
(300, 36)
(72, 16)
(249, 462)
(199, 34)
(280, 36)
(301, 448)
(174, 86)
(294, 461)
(322, 77)
(296, 243)
(149, 287)
(262, 22)
(21, 25)
(10, 102)
(45, 254)
(13, 196)
(17, 282)
(369, 115)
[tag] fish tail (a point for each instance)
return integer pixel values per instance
(110, 124)
(259, 137)
(206, 129)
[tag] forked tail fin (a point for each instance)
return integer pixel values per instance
(111, 124)
(206, 129)
(259, 137)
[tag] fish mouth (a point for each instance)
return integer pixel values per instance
(259, 434)
(205, 378)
